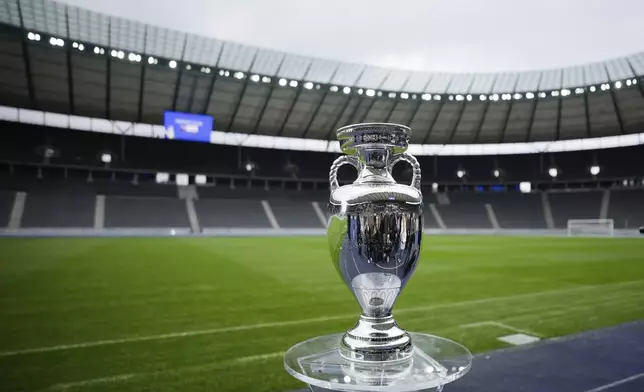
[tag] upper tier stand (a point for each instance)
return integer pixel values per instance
(436, 362)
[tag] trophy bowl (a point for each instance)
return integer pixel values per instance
(374, 234)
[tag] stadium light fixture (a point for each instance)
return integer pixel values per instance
(605, 86)
(201, 179)
(529, 95)
(308, 85)
(188, 67)
(404, 95)
(542, 94)
(451, 97)
(553, 172)
(33, 36)
(121, 54)
(172, 64)
(460, 173)
(434, 187)
(565, 92)
(618, 84)
(334, 89)
(579, 90)
(437, 97)
(413, 96)
(162, 178)
(106, 157)
(317, 86)
(97, 50)
(53, 41)
(74, 44)
(346, 90)
(238, 75)
(554, 93)
(255, 78)
(391, 95)
(360, 91)
(182, 179)
(293, 83)
(628, 82)
(497, 173)
(468, 97)
(494, 97)
(518, 96)
(221, 72)
(525, 187)
(379, 93)
(266, 79)
(152, 60)
(283, 82)
(592, 89)
(226, 73)
(81, 47)
(634, 81)
(205, 70)
(459, 97)
(594, 170)
(250, 166)
(114, 53)
(426, 97)
(483, 97)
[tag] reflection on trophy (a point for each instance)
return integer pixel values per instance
(375, 233)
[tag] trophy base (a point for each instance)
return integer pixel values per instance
(435, 362)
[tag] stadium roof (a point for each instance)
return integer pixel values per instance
(64, 59)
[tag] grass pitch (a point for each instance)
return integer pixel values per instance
(204, 314)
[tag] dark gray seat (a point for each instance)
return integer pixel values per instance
(62, 208)
(295, 214)
(574, 205)
(242, 213)
(627, 208)
(6, 205)
(145, 212)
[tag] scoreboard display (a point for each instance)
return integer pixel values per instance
(188, 126)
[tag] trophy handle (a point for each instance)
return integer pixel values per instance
(415, 166)
(333, 173)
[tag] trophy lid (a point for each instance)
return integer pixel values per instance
(378, 135)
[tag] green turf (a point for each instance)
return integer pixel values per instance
(65, 291)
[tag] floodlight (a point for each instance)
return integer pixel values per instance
(346, 90)
(594, 170)
(250, 166)
(628, 82)
(360, 91)
(200, 179)
(172, 64)
(121, 55)
(529, 95)
(238, 75)
(182, 179)
(81, 47)
(75, 45)
(283, 82)
(618, 84)
(334, 89)
(151, 60)
(293, 83)
(434, 186)
(497, 173)
(226, 73)
(426, 97)
(460, 173)
(162, 178)
(459, 97)
(437, 97)
(592, 89)
(554, 93)
(495, 97)
(404, 95)
(391, 95)
(106, 157)
(188, 67)
(31, 36)
(468, 97)
(579, 90)
(518, 96)
(308, 85)
(525, 187)
(565, 92)
(266, 79)
(553, 172)
(53, 41)
(451, 97)
(483, 97)
(542, 94)
(255, 78)
(97, 50)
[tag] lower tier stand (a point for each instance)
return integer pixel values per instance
(436, 361)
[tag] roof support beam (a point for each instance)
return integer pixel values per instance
(393, 108)
(181, 66)
(274, 82)
(25, 59)
(319, 106)
(559, 105)
(215, 73)
(480, 125)
(300, 87)
(615, 107)
(243, 92)
(460, 114)
(507, 117)
(191, 96)
(534, 110)
(639, 80)
(139, 114)
(108, 76)
(440, 107)
(70, 79)
(420, 102)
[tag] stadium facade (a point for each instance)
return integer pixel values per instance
(67, 69)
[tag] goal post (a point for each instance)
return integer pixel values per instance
(593, 227)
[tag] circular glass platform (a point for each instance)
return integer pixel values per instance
(436, 361)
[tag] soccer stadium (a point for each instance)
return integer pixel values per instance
(164, 210)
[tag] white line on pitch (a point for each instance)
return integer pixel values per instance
(174, 335)
(129, 376)
(616, 383)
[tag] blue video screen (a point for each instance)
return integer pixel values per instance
(188, 126)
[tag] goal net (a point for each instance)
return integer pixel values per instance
(597, 227)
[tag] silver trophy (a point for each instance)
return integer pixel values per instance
(375, 231)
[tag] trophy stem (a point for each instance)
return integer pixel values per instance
(376, 339)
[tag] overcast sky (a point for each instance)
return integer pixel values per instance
(433, 35)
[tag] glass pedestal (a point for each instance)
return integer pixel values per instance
(435, 362)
